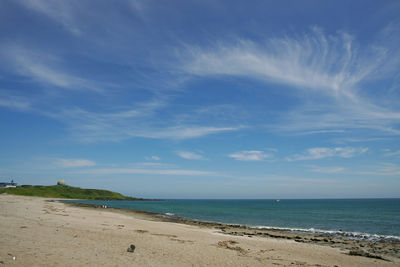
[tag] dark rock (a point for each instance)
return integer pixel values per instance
(359, 252)
(131, 248)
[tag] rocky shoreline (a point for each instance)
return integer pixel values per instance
(381, 250)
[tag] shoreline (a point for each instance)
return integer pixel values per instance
(379, 249)
(353, 235)
(43, 232)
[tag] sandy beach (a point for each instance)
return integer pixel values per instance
(38, 232)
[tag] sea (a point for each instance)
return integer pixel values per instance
(359, 219)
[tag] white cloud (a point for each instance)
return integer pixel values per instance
(328, 170)
(359, 140)
(16, 103)
(187, 132)
(110, 124)
(250, 155)
(189, 155)
(311, 61)
(149, 171)
(153, 158)
(75, 163)
(328, 67)
(324, 152)
(45, 69)
(77, 16)
(158, 165)
(60, 11)
(140, 121)
(392, 153)
(385, 169)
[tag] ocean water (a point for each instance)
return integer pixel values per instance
(371, 219)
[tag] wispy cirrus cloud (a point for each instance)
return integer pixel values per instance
(359, 140)
(140, 121)
(108, 123)
(187, 132)
(75, 163)
(327, 170)
(74, 17)
(45, 69)
(330, 67)
(342, 113)
(180, 172)
(390, 153)
(153, 158)
(189, 155)
(385, 169)
(156, 165)
(14, 102)
(250, 155)
(311, 61)
(325, 152)
(64, 12)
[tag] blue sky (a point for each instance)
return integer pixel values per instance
(202, 99)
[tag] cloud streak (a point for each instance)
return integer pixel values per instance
(14, 102)
(332, 67)
(250, 155)
(75, 163)
(63, 12)
(101, 124)
(313, 60)
(392, 153)
(325, 152)
(385, 169)
(45, 69)
(328, 170)
(179, 172)
(189, 155)
(153, 158)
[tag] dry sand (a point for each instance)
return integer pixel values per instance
(37, 232)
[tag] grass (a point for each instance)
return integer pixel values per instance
(64, 191)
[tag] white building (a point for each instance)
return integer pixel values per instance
(8, 185)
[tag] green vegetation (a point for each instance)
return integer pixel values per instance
(64, 191)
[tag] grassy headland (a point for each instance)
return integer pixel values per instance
(64, 191)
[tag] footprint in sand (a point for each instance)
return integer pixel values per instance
(141, 231)
(228, 244)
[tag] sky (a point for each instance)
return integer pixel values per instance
(202, 99)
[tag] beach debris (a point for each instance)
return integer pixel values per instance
(228, 245)
(14, 258)
(360, 252)
(166, 235)
(141, 231)
(131, 248)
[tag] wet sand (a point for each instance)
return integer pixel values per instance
(38, 232)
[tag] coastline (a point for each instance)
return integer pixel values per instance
(383, 250)
(41, 232)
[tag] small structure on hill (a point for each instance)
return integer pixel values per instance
(61, 182)
(8, 185)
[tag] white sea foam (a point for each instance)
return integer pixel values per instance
(337, 233)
